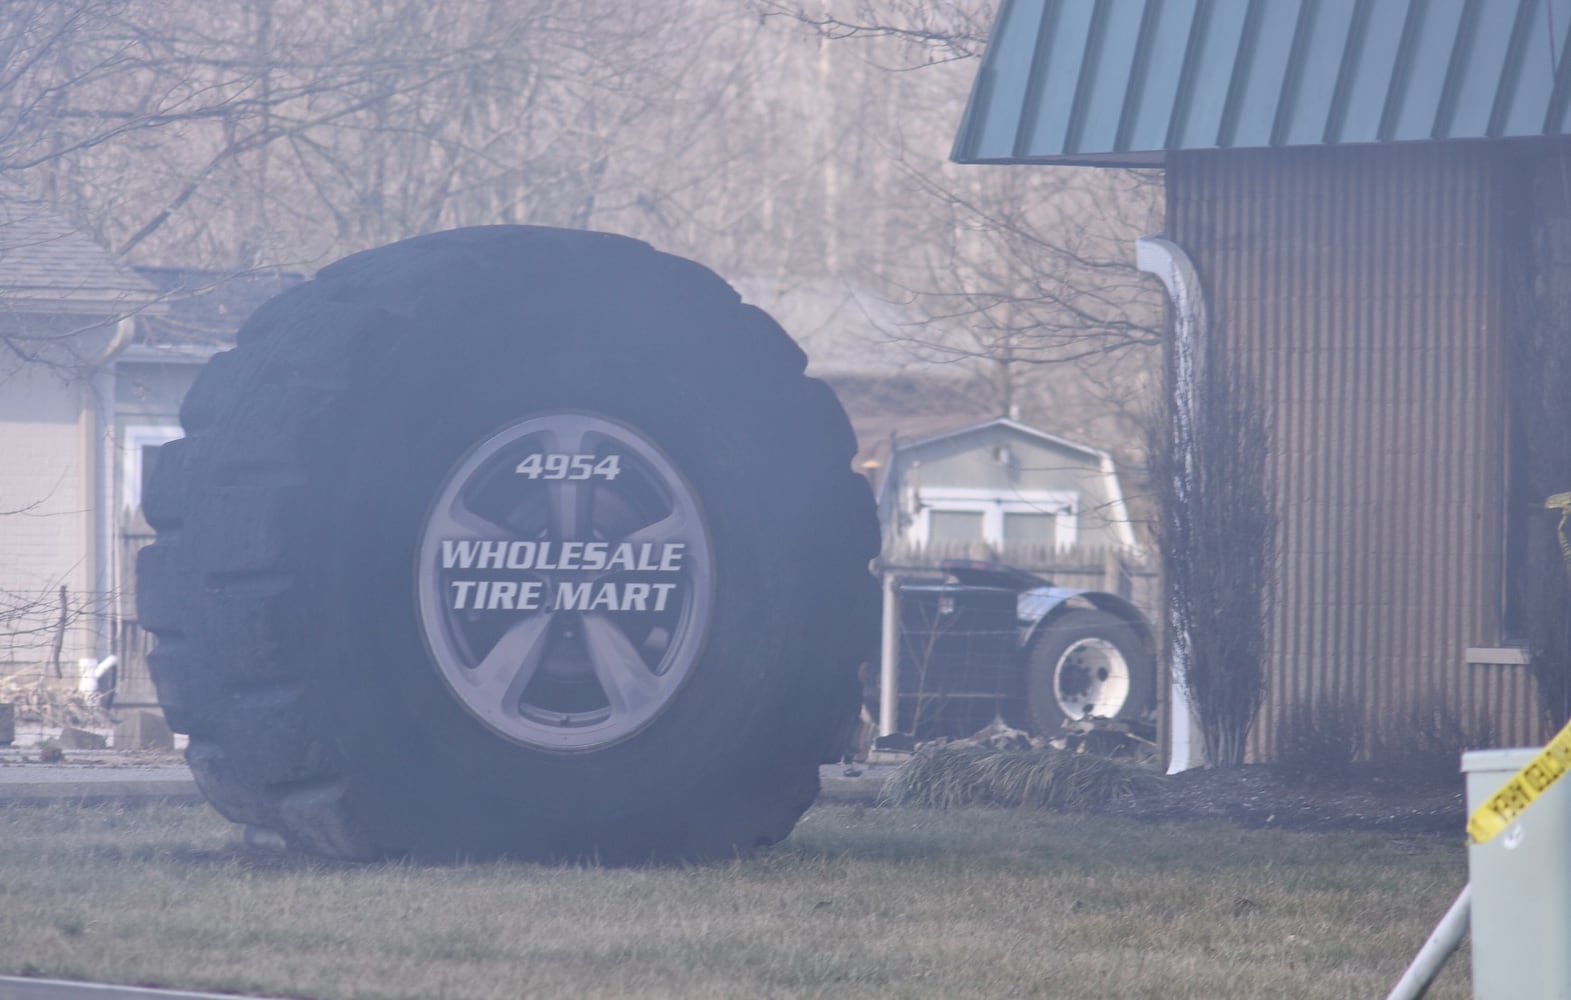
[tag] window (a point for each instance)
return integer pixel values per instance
(1029, 517)
(139, 444)
(955, 526)
(1030, 528)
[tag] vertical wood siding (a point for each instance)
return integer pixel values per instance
(1361, 288)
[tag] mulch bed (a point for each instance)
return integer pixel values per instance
(1383, 800)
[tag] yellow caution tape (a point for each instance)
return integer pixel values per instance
(1525, 786)
(1562, 503)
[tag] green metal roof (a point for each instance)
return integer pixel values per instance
(1125, 81)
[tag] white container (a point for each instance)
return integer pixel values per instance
(1521, 879)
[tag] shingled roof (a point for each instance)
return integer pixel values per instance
(47, 266)
(207, 307)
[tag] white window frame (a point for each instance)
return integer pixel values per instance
(1064, 505)
(133, 439)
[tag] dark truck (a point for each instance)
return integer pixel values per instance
(981, 641)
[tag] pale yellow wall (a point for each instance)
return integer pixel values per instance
(48, 509)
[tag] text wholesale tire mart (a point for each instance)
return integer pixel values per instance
(511, 541)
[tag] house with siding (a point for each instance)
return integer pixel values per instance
(95, 357)
(961, 487)
(1368, 213)
(200, 312)
(67, 308)
(953, 477)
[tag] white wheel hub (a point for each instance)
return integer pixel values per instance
(1091, 678)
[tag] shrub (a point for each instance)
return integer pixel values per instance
(1426, 742)
(1318, 740)
(1217, 531)
(1546, 607)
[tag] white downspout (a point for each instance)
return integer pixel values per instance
(101, 394)
(1172, 266)
(1118, 511)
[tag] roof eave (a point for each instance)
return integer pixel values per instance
(111, 304)
(169, 353)
(1013, 425)
(1130, 160)
(1159, 159)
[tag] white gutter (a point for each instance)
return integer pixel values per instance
(1172, 266)
(195, 354)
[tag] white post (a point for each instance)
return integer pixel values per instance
(889, 662)
(1445, 939)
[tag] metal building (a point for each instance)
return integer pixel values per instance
(1374, 196)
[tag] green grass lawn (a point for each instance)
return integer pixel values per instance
(875, 902)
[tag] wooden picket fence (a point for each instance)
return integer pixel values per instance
(1129, 574)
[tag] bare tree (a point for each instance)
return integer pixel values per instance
(1023, 278)
(1217, 535)
(50, 49)
(1035, 290)
(769, 139)
(928, 33)
(234, 132)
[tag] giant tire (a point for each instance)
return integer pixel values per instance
(319, 655)
(1086, 663)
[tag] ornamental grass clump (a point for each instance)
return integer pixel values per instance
(949, 777)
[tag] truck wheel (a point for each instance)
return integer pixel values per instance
(511, 541)
(1087, 664)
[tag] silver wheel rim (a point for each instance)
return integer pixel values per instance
(1091, 678)
(565, 581)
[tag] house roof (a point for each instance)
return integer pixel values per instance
(1126, 81)
(879, 436)
(206, 308)
(1013, 425)
(47, 266)
(883, 453)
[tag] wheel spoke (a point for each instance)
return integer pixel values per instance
(457, 522)
(572, 500)
(500, 678)
(626, 679)
(566, 437)
(571, 509)
(674, 527)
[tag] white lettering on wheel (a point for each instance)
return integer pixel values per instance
(565, 580)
